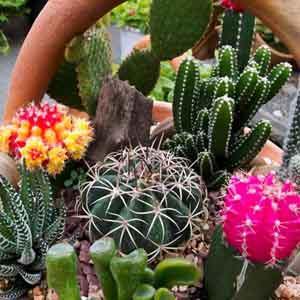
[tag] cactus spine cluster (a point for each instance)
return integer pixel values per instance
(143, 197)
(261, 224)
(210, 114)
(29, 225)
(122, 278)
(290, 167)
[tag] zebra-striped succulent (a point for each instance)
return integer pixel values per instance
(210, 114)
(29, 225)
(143, 197)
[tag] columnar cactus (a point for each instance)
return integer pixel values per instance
(261, 225)
(290, 167)
(45, 136)
(210, 114)
(238, 31)
(29, 225)
(143, 197)
(122, 278)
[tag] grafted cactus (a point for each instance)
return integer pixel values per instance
(210, 114)
(143, 197)
(258, 233)
(29, 225)
(122, 278)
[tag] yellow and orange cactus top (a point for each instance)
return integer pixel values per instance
(46, 136)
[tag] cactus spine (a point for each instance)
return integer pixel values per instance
(128, 275)
(258, 210)
(210, 114)
(143, 197)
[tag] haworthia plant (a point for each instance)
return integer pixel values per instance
(29, 225)
(121, 278)
(210, 114)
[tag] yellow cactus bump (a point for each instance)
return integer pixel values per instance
(46, 136)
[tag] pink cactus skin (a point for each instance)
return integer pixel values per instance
(229, 4)
(261, 218)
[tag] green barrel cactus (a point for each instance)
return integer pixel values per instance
(143, 197)
(210, 114)
(121, 278)
(29, 225)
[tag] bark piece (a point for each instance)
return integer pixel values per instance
(123, 117)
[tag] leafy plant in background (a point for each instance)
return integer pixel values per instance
(133, 14)
(8, 9)
(143, 197)
(29, 225)
(259, 231)
(122, 278)
(210, 114)
(45, 136)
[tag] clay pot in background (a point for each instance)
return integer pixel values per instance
(8, 169)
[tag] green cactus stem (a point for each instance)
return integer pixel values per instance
(176, 25)
(144, 292)
(238, 32)
(227, 62)
(164, 294)
(176, 271)
(102, 252)
(229, 282)
(141, 69)
(262, 57)
(62, 271)
(133, 264)
(186, 94)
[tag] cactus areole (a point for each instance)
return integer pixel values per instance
(261, 218)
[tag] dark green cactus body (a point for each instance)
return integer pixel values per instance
(262, 57)
(220, 254)
(227, 63)
(29, 225)
(186, 95)
(164, 294)
(238, 32)
(172, 21)
(141, 69)
(129, 199)
(62, 272)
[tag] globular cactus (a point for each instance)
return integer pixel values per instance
(141, 69)
(210, 114)
(121, 278)
(143, 197)
(172, 21)
(238, 31)
(45, 136)
(29, 225)
(88, 60)
(260, 225)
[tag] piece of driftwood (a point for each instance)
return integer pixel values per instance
(162, 131)
(123, 118)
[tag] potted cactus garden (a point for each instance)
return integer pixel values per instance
(108, 195)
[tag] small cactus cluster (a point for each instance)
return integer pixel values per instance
(29, 225)
(210, 114)
(143, 197)
(45, 136)
(87, 61)
(261, 224)
(121, 278)
(290, 167)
